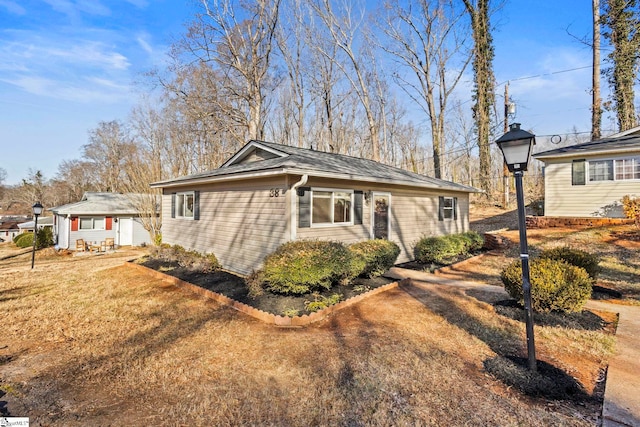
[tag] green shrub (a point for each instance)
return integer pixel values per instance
(45, 237)
(555, 285)
(304, 266)
(193, 260)
(378, 256)
(474, 241)
(24, 240)
(322, 302)
(18, 236)
(440, 250)
(576, 257)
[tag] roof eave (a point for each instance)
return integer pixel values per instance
(313, 173)
(543, 156)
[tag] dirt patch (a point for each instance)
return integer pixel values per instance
(235, 287)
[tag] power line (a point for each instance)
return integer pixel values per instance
(545, 74)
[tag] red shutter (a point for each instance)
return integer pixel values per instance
(74, 223)
(107, 223)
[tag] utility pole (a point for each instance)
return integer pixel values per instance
(596, 103)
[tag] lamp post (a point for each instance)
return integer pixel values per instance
(516, 147)
(37, 210)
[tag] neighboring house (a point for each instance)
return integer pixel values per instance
(9, 230)
(96, 217)
(268, 194)
(43, 221)
(590, 179)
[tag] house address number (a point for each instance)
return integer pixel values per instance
(274, 192)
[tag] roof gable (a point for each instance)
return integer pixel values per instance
(100, 204)
(619, 145)
(299, 161)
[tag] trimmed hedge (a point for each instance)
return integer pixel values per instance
(305, 266)
(555, 285)
(445, 249)
(378, 255)
(24, 240)
(18, 236)
(576, 257)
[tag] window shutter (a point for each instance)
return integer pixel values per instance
(173, 205)
(196, 205)
(455, 208)
(357, 207)
(578, 175)
(107, 223)
(441, 208)
(74, 223)
(304, 207)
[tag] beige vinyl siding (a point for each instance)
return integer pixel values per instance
(240, 223)
(594, 199)
(414, 214)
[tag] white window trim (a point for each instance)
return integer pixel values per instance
(451, 209)
(372, 213)
(93, 223)
(614, 159)
(331, 224)
(179, 214)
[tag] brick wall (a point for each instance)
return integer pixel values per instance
(551, 221)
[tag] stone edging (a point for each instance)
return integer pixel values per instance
(283, 321)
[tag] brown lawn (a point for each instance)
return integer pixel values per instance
(86, 341)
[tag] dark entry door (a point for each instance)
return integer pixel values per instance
(381, 216)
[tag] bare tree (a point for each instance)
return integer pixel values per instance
(343, 29)
(108, 149)
(238, 37)
(484, 84)
(427, 38)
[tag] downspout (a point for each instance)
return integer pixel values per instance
(68, 224)
(293, 223)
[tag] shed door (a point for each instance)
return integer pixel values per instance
(381, 205)
(125, 231)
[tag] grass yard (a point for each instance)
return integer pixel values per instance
(87, 341)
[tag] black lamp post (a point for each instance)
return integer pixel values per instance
(516, 148)
(37, 210)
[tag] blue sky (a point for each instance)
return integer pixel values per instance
(68, 64)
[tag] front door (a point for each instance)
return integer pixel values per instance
(125, 232)
(381, 204)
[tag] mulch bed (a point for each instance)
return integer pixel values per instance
(235, 287)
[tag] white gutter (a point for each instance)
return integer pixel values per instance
(292, 214)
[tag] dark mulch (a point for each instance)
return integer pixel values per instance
(235, 287)
(584, 320)
(547, 381)
(600, 292)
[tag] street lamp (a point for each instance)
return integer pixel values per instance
(37, 211)
(516, 148)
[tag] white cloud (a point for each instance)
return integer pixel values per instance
(141, 4)
(12, 7)
(74, 9)
(144, 44)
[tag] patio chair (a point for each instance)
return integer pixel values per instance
(80, 245)
(108, 243)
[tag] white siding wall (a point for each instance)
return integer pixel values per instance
(598, 199)
(140, 235)
(239, 222)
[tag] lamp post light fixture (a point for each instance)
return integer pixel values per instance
(37, 211)
(516, 146)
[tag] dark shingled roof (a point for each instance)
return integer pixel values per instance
(305, 160)
(621, 144)
(100, 204)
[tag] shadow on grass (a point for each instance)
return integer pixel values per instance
(548, 381)
(507, 342)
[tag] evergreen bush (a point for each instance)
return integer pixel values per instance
(378, 256)
(24, 240)
(579, 258)
(304, 266)
(555, 285)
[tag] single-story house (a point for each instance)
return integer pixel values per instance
(9, 230)
(98, 216)
(43, 221)
(590, 179)
(267, 194)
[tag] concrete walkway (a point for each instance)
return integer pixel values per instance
(622, 390)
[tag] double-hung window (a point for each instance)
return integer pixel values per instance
(600, 170)
(185, 205)
(627, 169)
(333, 207)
